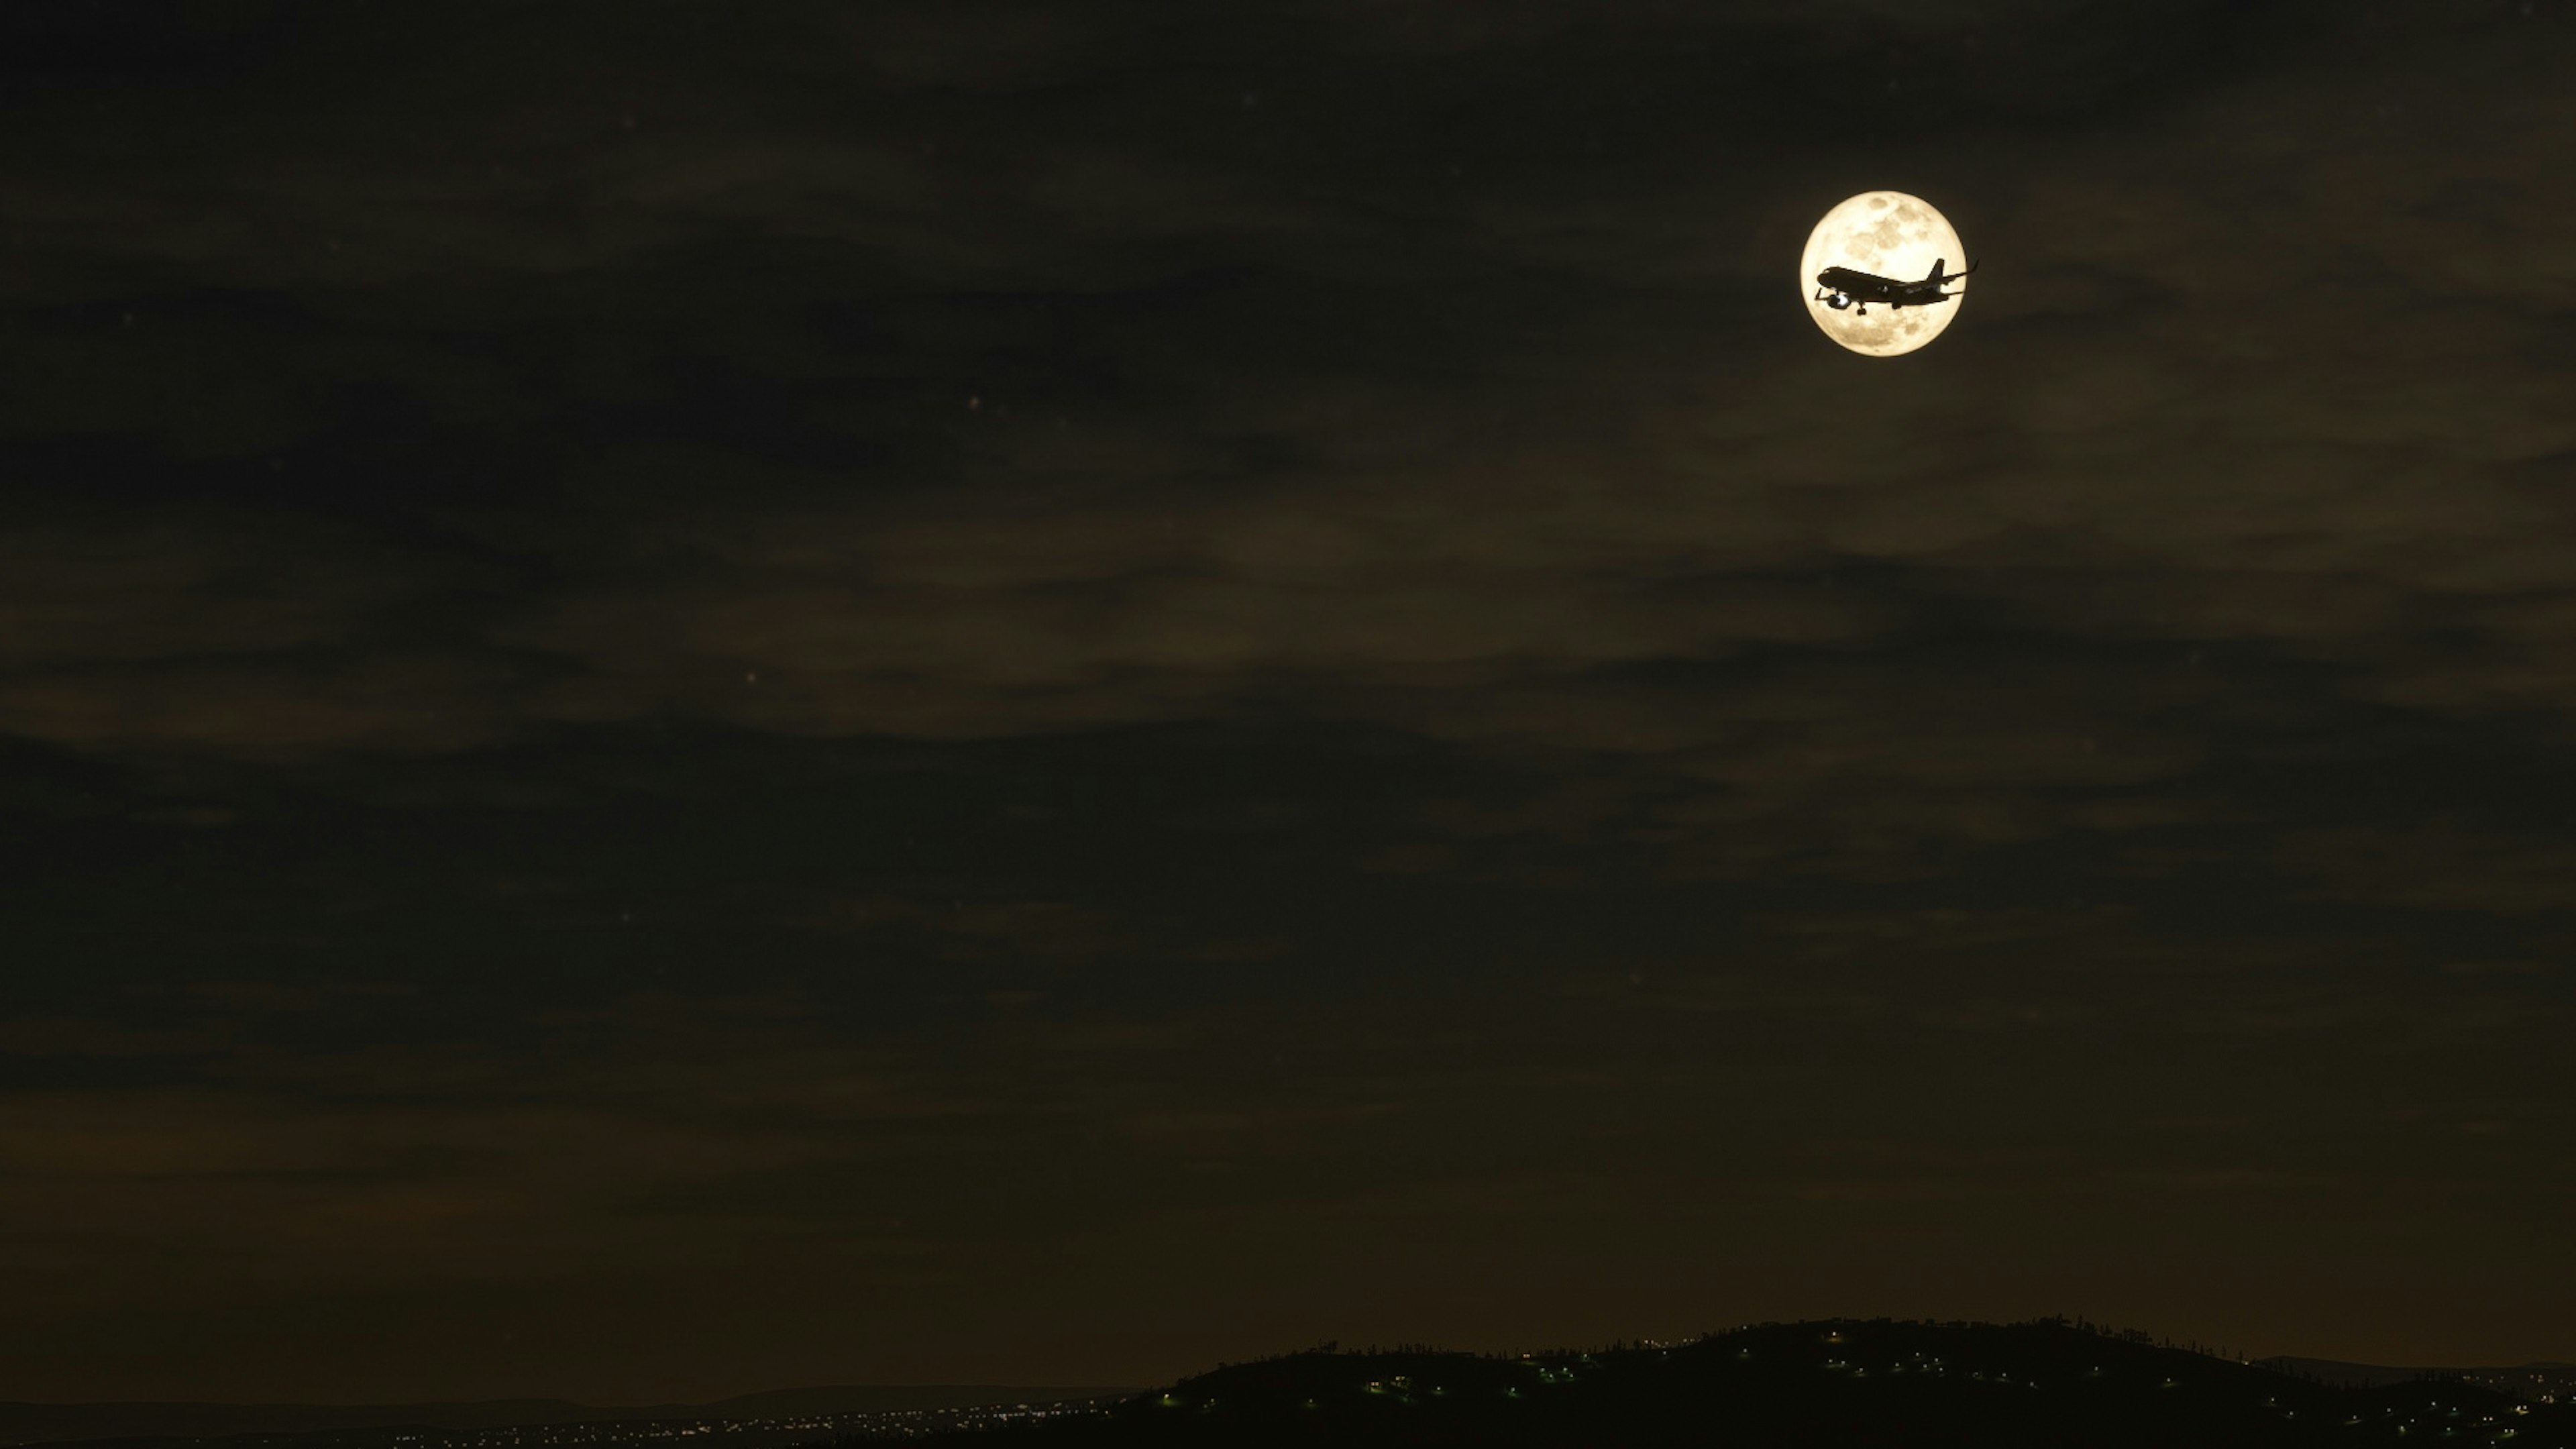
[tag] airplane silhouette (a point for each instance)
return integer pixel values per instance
(1840, 287)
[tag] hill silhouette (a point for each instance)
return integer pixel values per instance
(1848, 1384)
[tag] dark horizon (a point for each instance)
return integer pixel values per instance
(703, 697)
(2048, 1381)
(830, 1397)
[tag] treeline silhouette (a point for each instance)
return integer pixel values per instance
(1864, 1384)
(2080, 1325)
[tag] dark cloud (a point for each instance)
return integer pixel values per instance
(988, 692)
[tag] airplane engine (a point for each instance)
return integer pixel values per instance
(1838, 301)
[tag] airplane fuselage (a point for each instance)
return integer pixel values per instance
(1840, 287)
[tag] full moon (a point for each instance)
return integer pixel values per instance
(1892, 235)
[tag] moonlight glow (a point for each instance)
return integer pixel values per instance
(1893, 235)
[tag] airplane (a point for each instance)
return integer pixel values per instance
(1840, 287)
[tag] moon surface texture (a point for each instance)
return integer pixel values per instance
(1892, 235)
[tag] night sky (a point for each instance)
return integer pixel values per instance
(703, 696)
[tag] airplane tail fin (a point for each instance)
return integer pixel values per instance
(1937, 264)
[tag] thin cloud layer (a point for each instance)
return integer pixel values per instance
(833, 675)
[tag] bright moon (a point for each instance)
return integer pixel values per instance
(1892, 235)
